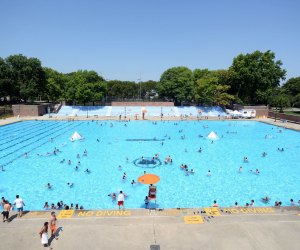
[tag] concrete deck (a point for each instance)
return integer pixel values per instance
(6, 121)
(234, 228)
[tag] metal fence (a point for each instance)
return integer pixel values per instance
(5, 111)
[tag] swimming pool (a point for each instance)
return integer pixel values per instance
(278, 178)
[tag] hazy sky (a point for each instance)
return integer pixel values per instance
(122, 39)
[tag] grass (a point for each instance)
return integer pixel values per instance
(3, 116)
(297, 113)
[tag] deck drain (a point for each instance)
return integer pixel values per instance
(154, 247)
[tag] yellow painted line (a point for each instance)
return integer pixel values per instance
(252, 210)
(212, 211)
(37, 214)
(196, 219)
(65, 214)
(104, 213)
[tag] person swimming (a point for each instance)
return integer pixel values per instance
(69, 162)
(113, 196)
(240, 169)
(87, 171)
(62, 161)
(264, 154)
(76, 168)
(208, 173)
(265, 199)
(246, 159)
(49, 186)
(70, 184)
(186, 171)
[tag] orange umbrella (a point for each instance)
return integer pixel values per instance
(144, 110)
(148, 179)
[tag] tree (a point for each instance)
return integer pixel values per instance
(27, 75)
(55, 85)
(210, 92)
(292, 89)
(177, 84)
(149, 89)
(122, 89)
(84, 86)
(254, 74)
(200, 73)
(6, 86)
(279, 99)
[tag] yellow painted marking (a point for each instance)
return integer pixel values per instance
(65, 214)
(212, 211)
(38, 214)
(104, 213)
(172, 212)
(196, 219)
(251, 210)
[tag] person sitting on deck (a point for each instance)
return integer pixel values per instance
(152, 192)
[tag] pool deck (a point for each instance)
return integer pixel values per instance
(229, 228)
(6, 121)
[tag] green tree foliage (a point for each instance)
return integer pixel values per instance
(55, 85)
(177, 84)
(149, 90)
(253, 74)
(279, 99)
(27, 76)
(7, 88)
(292, 89)
(122, 90)
(252, 78)
(200, 73)
(83, 86)
(209, 91)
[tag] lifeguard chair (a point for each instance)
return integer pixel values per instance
(152, 193)
(150, 179)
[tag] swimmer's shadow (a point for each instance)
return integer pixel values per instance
(11, 218)
(55, 236)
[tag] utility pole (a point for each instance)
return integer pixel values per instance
(140, 87)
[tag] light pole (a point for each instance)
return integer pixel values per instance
(139, 89)
(106, 90)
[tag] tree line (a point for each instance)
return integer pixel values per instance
(252, 78)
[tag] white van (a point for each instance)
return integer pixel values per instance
(248, 113)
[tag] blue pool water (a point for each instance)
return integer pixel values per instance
(278, 178)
